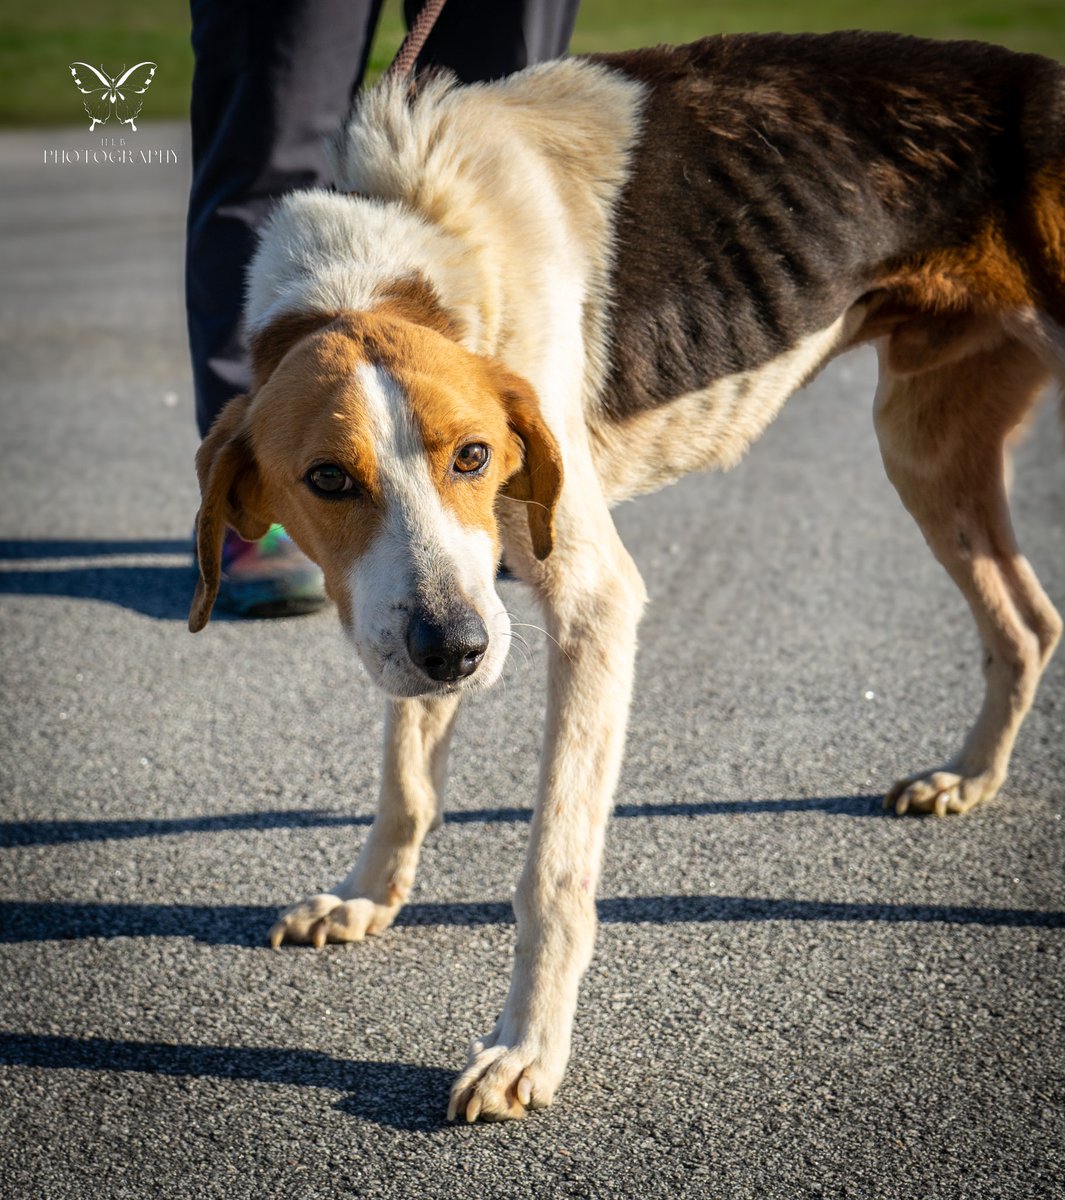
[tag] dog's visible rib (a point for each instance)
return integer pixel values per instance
(715, 425)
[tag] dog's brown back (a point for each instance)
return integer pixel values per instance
(778, 179)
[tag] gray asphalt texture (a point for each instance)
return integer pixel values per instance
(793, 994)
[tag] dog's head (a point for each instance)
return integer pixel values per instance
(382, 445)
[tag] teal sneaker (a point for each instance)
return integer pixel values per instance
(268, 578)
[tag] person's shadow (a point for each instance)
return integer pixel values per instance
(102, 570)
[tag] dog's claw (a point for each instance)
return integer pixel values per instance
(328, 918)
(941, 792)
(503, 1084)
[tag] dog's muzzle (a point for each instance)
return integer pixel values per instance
(447, 650)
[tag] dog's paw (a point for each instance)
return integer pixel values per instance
(940, 792)
(502, 1083)
(328, 918)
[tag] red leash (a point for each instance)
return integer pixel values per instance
(413, 43)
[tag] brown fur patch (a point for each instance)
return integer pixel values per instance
(1047, 223)
(230, 495)
(458, 397)
(922, 341)
(270, 345)
(414, 299)
(983, 275)
(1048, 213)
(454, 401)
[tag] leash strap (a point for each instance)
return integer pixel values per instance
(414, 42)
(411, 46)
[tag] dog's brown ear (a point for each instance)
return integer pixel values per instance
(230, 495)
(538, 481)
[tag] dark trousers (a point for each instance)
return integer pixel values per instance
(273, 79)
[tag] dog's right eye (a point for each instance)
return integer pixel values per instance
(327, 479)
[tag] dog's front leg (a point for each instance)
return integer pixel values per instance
(366, 901)
(521, 1063)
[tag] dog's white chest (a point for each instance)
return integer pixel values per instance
(711, 427)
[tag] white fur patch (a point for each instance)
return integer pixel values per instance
(422, 557)
(714, 426)
(326, 252)
(500, 196)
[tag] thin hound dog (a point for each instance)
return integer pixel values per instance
(536, 298)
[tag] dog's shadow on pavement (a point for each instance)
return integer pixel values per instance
(61, 832)
(399, 1095)
(247, 925)
(111, 571)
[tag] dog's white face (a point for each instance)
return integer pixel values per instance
(381, 446)
(421, 604)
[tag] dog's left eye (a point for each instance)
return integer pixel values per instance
(471, 459)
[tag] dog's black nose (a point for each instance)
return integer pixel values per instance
(450, 649)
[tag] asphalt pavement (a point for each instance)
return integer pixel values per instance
(793, 994)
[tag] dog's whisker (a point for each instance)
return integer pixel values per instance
(509, 631)
(540, 629)
(518, 637)
(518, 500)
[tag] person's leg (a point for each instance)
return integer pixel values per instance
(271, 82)
(487, 39)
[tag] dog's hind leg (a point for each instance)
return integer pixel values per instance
(366, 901)
(943, 438)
